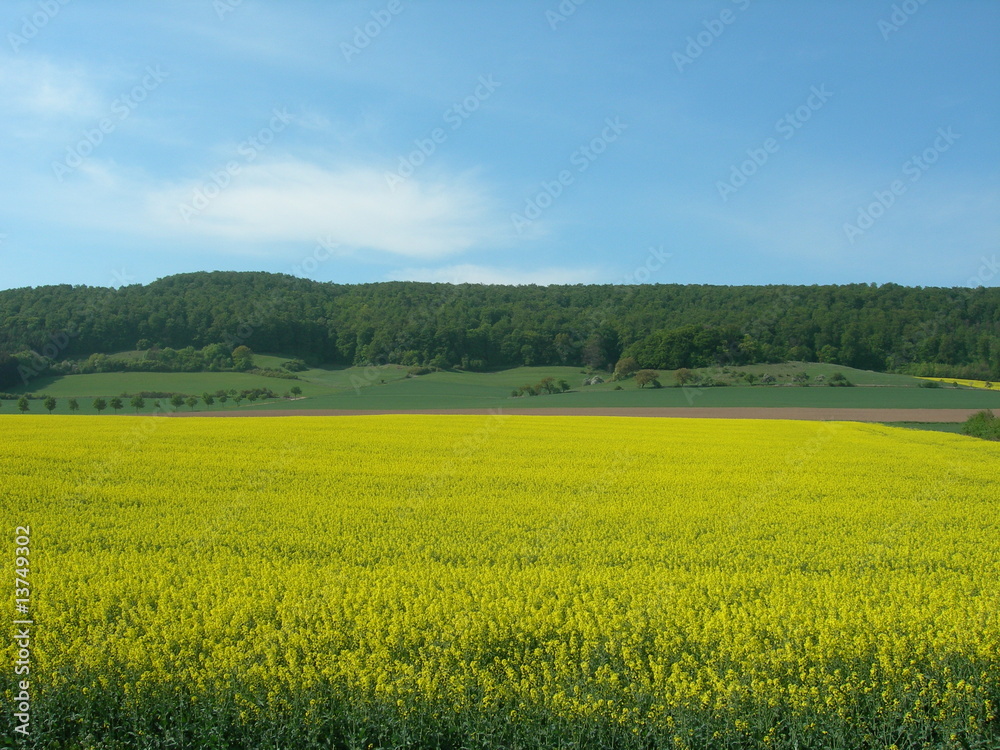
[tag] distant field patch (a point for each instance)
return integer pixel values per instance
(967, 383)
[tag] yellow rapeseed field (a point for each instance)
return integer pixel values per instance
(965, 382)
(501, 581)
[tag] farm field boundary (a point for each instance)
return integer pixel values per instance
(798, 413)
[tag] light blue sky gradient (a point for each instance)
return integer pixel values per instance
(727, 142)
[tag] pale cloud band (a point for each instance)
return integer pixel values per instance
(289, 200)
(476, 274)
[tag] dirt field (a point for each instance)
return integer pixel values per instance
(848, 415)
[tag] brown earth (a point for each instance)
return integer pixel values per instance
(848, 415)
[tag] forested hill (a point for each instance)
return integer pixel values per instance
(885, 327)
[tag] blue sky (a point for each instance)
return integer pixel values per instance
(728, 142)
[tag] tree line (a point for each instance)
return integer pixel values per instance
(138, 401)
(198, 320)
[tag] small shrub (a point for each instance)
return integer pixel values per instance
(838, 379)
(626, 367)
(983, 424)
(269, 372)
(647, 377)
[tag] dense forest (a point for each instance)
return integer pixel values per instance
(195, 321)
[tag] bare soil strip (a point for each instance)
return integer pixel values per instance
(814, 414)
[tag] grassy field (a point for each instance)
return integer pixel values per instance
(388, 387)
(437, 393)
(414, 582)
(114, 383)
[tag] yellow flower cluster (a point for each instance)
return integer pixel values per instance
(679, 582)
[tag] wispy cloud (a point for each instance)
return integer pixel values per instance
(37, 87)
(475, 274)
(270, 205)
(289, 201)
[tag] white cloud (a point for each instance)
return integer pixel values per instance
(37, 87)
(474, 274)
(270, 209)
(286, 201)
(311, 119)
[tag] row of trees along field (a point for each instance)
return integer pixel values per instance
(199, 319)
(140, 402)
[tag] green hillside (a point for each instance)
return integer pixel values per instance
(392, 387)
(194, 322)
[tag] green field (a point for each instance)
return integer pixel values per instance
(115, 383)
(439, 393)
(389, 388)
